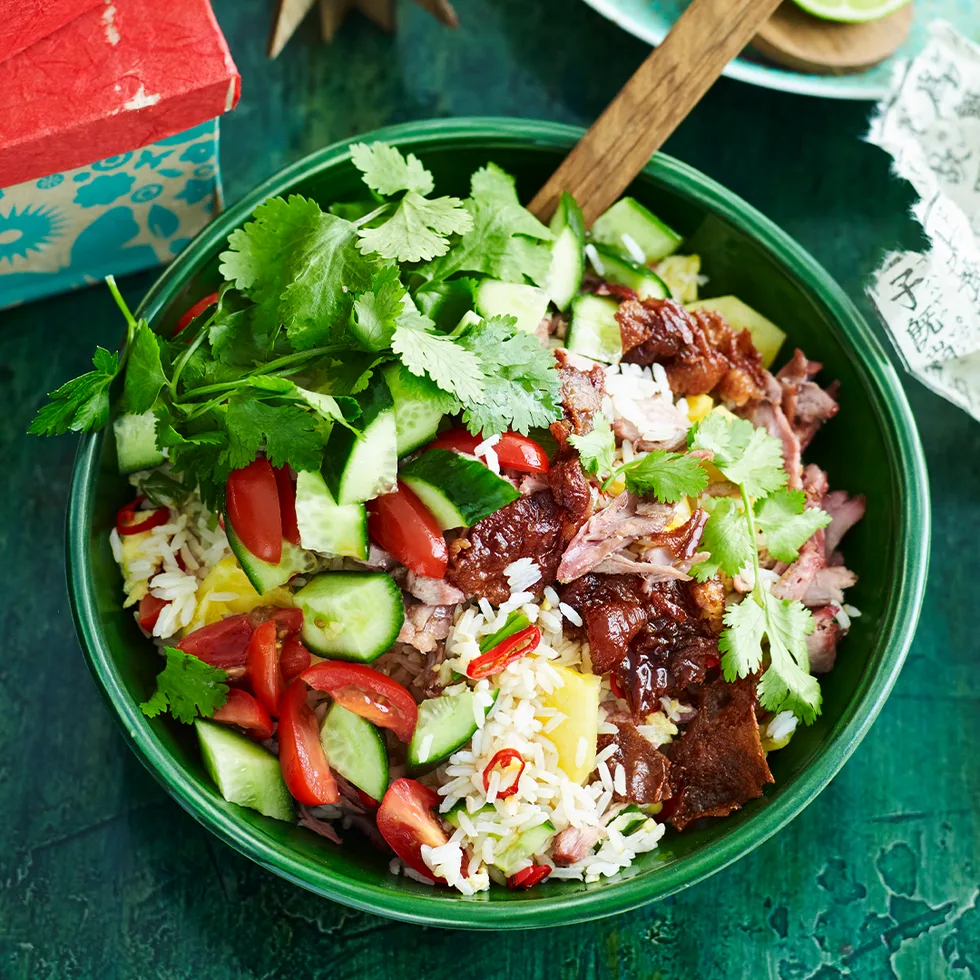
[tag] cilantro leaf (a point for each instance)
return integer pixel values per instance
(386, 171)
(144, 370)
(290, 434)
(787, 684)
(745, 454)
(521, 384)
(187, 687)
(235, 336)
(596, 449)
(506, 241)
(417, 230)
(376, 311)
(79, 405)
(450, 365)
(787, 522)
(726, 536)
(667, 476)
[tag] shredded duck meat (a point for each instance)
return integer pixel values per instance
(647, 769)
(581, 397)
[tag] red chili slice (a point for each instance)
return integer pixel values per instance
(149, 611)
(368, 693)
(529, 877)
(245, 711)
(503, 654)
(503, 759)
(193, 312)
(616, 687)
(126, 518)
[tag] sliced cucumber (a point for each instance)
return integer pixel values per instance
(452, 816)
(766, 336)
(351, 615)
(360, 468)
(458, 490)
(325, 525)
(630, 229)
(263, 575)
(469, 319)
(528, 303)
(445, 724)
(529, 843)
(612, 267)
(681, 273)
(567, 261)
(136, 442)
(418, 407)
(355, 748)
(594, 329)
(245, 773)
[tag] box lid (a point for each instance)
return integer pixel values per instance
(22, 22)
(124, 74)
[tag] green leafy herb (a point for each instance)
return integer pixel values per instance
(506, 241)
(79, 405)
(727, 536)
(521, 384)
(418, 229)
(787, 522)
(451, 366)
(597, 448)
(745, 454)
(664, 475)
(187, 687)
(387, 171)
(376, 311)
(290, 434)
(144, 373)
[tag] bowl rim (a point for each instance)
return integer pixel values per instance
(426, 907)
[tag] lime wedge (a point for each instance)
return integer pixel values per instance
(851, 11)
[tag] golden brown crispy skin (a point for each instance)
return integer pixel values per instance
(647, 769)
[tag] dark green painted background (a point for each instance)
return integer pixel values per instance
(101, 876)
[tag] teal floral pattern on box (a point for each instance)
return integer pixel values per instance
(118, 215)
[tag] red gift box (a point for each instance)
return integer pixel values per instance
(121, 75)
(22, 22)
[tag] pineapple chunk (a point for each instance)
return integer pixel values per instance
(766, 336)
(578, 700)
(227, 576)
(680, 273)
(698, 406)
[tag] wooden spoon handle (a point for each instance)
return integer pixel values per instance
(651, 105)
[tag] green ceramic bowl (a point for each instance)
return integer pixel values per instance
(872, 447)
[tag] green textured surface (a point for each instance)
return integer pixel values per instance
(102, 876)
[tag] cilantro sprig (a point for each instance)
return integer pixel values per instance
(187, 687)
(761, 627)
(665, 475)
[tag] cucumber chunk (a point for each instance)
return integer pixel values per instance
(567, 261)
(532, 841)
(355, 748)
(527, 303)
(612, 267)
(351, 615)
(593, 330)
(630, 229)
(264, 575)
(360, 468)
(445, 724)
(136, 442)
(766, 336)
(244, 772)
(452, 815)
(325, 525)
(458, 490)
(418, 407)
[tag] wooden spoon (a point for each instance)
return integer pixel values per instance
(651, 105)
(800, 41)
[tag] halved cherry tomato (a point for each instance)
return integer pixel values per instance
(193, 312)
(129, 521)
(368, 693)
(149, 611)
(289, 621)
(287, 504)
(528, 877)
(245, 711)
(301, 757)
(294, 659)
(403, 526)
(223, 644)
(505, 653)
(406, 822)
(515, 452)
(252, 504)
(368, 802)
(262, 667)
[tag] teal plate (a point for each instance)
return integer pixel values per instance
(650, 20)
(872, 448)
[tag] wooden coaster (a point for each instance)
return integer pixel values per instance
(332, 13)
(798, 40)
